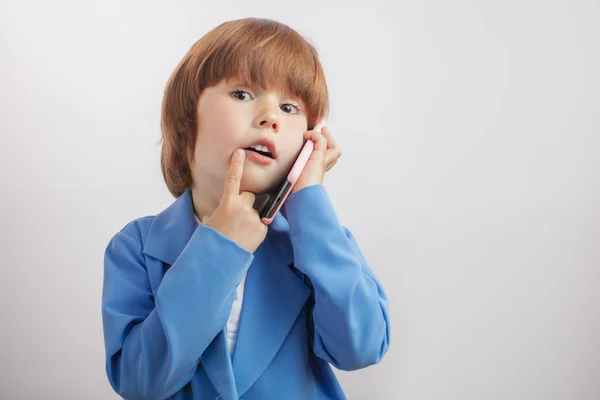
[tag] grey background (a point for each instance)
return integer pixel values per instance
(470, 133)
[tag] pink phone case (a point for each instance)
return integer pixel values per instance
(274, 205)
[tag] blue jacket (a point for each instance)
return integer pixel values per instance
(310, 300)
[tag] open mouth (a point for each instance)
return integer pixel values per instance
(263, 150)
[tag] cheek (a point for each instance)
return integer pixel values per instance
(220, 126)
(293, 148)
(224, 134)
(215, 147)
(210, 153)
(219, 135)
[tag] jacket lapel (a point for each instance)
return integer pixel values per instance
(217, 365)
(273, 298)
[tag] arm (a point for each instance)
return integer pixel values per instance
(350, 316)
(154, 343)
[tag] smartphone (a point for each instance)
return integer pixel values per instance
(276, 200)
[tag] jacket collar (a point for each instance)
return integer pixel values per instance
(171, 230)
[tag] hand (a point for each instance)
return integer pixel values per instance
(235, 217)
(322, 159)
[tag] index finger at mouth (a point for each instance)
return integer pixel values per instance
(234, 174)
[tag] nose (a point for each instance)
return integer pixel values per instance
(269, 122)
(268, 117)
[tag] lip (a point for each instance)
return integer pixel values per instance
(259, 158)
(270, 145)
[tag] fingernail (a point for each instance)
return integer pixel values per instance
(240, 152)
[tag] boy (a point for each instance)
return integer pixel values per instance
(204, 300)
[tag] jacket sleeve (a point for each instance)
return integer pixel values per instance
(154, 343)
(350, 315)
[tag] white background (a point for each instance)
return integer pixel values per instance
(470, 131)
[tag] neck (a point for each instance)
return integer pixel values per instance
(206, 195)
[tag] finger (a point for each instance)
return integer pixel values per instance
(234, 174)
(329, 166)
(331, 142)
(332, 155)
(332, 145)
(309, 134)
(320, 142)
(248, 198)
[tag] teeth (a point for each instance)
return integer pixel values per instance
(259, 147)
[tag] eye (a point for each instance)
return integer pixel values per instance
(287, 106)
(239, 94)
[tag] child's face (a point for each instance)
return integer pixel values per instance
(233, 115)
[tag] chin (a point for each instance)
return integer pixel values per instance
(260, 182)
